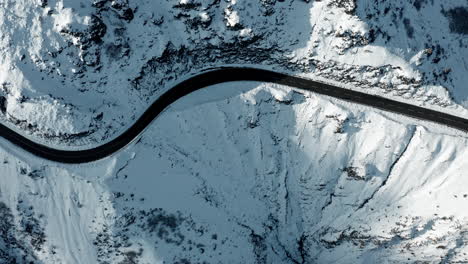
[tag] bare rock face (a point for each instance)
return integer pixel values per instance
(458, 22)
(3, 104)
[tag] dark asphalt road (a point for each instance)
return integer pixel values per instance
(221, 75)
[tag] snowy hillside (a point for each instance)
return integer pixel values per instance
(259, 174)
(241, 172)
(78, 72)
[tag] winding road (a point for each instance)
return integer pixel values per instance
(222, 75)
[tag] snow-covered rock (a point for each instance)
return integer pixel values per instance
(242, 172)
(247, 173)
(110, 59)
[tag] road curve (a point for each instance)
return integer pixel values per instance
(221, 75)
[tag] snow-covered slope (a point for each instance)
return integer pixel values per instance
(78, 72)
(261, 174)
